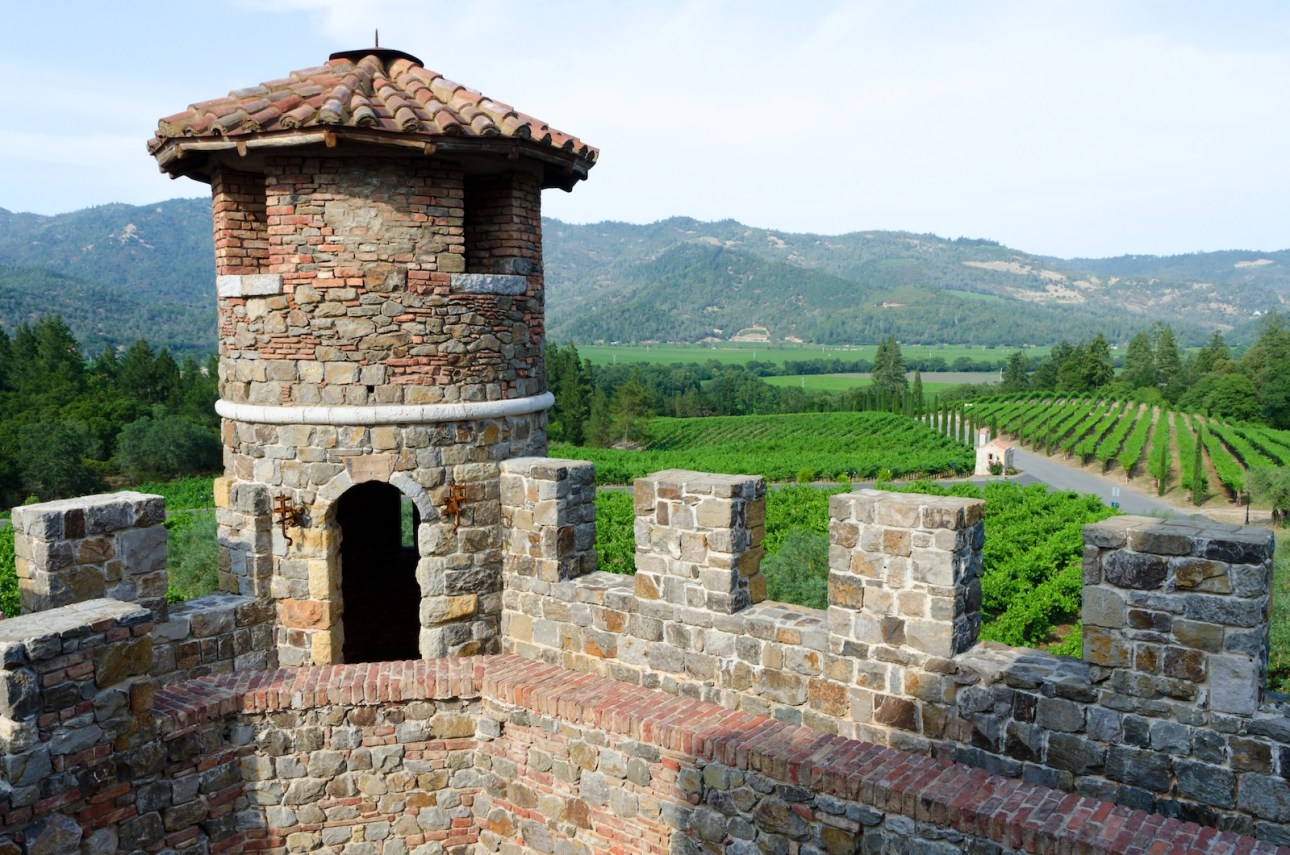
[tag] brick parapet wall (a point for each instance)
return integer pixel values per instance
(74, 550)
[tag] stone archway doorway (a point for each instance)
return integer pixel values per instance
(378, 562)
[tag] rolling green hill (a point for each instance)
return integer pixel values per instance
(119, 271)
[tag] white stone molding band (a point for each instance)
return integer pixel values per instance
(393, 414)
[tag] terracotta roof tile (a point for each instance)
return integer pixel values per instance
(378, 90)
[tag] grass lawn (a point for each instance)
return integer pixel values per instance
(846, 382)
(739, 353)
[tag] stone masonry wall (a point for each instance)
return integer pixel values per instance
(90, 547)
(74, 720)
(1163, 715)
(75, 550)
(1164, 712)
(459, 567)
(354, 301)
(493, 754)
(212, 635)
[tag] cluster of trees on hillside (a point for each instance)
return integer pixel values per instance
(69, 426)
(1253, 387)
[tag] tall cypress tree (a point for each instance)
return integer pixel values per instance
(1199, 481)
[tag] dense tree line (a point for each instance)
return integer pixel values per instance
(1252, 387)
(70, 426)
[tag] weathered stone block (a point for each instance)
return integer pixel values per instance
(1160, 540)
(1136, 570)
(1265, 796)
(116, 662)
(1233, 684)
(1103, 607)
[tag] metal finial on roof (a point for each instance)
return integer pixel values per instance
(378, 38)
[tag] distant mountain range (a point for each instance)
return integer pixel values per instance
(119, 272)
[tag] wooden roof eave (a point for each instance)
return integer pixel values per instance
(560, 168)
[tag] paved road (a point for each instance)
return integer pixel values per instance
(1036, 467)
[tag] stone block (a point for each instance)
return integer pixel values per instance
(116, 662)
(142, 550)
(240, 285)
(53, 835)
(1136, 570)
(1161, 540)
(1073, 753)
(1233, 684)
(1247, 545)
(1265, 796)
(1200, 574)
(1105, 648)
(899, 510)
(1103, 607)
(1227, 611)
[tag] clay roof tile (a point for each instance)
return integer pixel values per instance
(377, 90)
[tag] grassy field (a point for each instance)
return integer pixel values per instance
(739, 353)
(934, 382)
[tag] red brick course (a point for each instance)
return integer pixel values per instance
(1009, 812)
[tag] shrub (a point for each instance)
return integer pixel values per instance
(166, 446)
(8, 575)
(615, 532)
(193, 555)
(805, 475)
(798, 572)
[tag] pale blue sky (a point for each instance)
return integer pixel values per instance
(1083, 128)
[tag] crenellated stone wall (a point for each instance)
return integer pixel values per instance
(81, 549)
(1165, 712)
(76, 550)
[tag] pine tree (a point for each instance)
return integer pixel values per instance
(1016, 374)
(1097, 368)
(631, 409)
(1139, 363)
(889, 371)
(1168, 364)
(1200, 481)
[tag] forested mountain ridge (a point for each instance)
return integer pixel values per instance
(980, 292)
(119, 271)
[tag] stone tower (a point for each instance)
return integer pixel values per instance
(378, 255)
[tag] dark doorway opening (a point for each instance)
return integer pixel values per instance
(378, 563)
